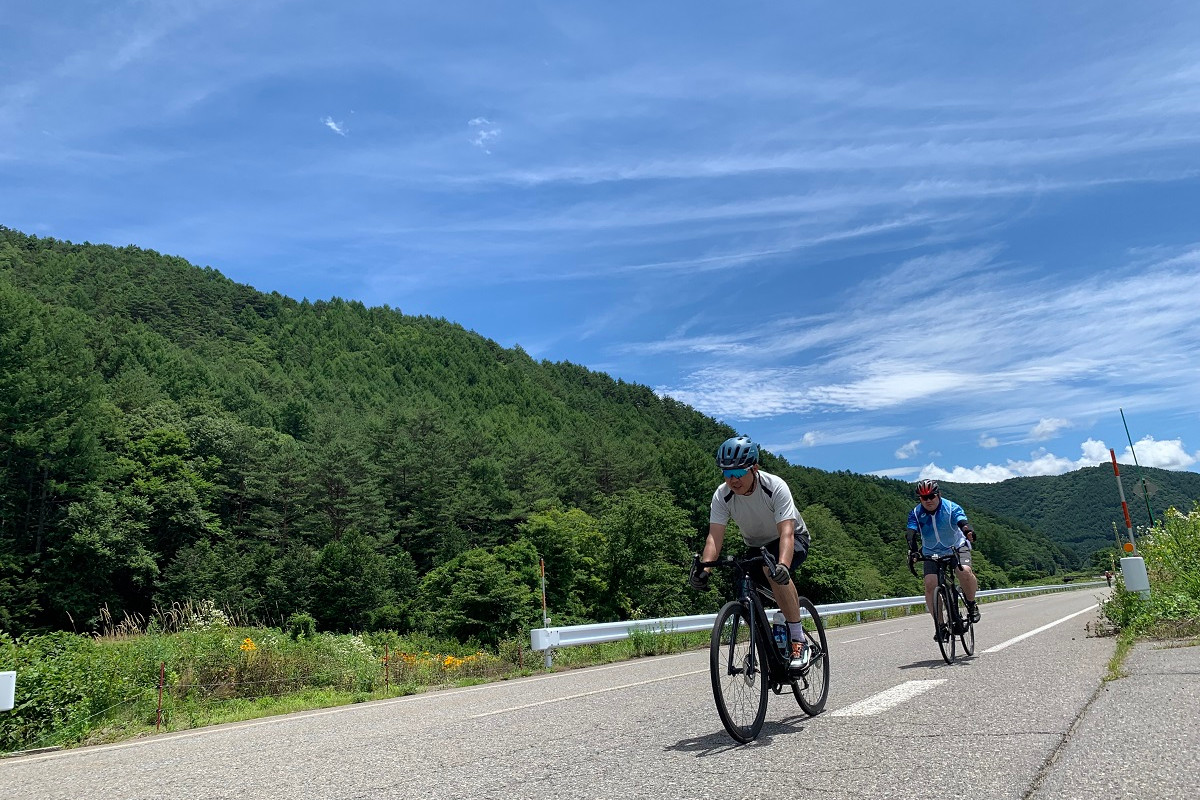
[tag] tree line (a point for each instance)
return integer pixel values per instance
(169, 435)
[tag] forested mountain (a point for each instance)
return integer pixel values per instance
(1078, 509)
(167, 435)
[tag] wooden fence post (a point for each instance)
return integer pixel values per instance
(162, 677)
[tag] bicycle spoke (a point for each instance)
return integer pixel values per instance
(738, 681)
(811, 687)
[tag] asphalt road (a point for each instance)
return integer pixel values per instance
(1000, 725)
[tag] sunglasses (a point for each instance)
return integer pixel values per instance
(734, 473)
(929, 496)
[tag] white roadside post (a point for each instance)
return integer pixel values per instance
(8, 690)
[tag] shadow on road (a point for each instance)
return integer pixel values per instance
(720, 742)
(937, 663)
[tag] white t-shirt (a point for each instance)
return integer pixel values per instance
(758, 513)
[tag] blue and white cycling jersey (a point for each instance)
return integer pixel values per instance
(939, 530)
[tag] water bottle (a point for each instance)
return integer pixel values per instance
(780, 632)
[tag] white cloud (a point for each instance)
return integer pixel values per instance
(1095, 452)
(895, 472)
(485, 132)
(1047, 346)
(988, 442)
(337, 127)
(847, 435)
(1047, 427)
(909, 450)
(1166, 454)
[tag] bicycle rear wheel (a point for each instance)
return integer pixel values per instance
(967, 628)
(739, 678)
(942, 617)
(811, 685)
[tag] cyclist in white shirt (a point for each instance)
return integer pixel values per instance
(762, 506)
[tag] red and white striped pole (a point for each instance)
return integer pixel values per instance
(1130, 547)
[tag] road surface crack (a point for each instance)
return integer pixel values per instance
(1040, 776)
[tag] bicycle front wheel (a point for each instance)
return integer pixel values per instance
(967, 628)
(942, 616)
(811, 685)
(739, 678)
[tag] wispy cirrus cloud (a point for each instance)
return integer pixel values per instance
(1048, 428)
(337, 127)
(865, 357)
(483, 133)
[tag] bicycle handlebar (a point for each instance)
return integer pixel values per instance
(913, 558)
(730, 562)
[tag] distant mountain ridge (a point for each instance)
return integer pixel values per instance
(1078, 509)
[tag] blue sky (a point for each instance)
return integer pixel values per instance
(913, 239)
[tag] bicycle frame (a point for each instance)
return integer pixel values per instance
(947, 583)
(744, 660)
(754, 597)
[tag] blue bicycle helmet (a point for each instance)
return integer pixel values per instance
(737, 453)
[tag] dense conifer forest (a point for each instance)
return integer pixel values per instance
(168, 435)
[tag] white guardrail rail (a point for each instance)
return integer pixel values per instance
(547, 639)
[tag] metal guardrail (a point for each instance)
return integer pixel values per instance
(547, 639)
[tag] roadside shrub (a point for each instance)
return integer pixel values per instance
(301, 626)
(1171, 551)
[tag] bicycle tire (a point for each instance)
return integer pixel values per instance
(967, 637)
(941, 617)
(811, 686)
(739, 677)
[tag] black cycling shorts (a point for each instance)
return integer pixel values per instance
(799, 553)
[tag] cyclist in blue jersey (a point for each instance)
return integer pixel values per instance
(938, 527)
(761, 504)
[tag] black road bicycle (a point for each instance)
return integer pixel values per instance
(951, 619)
(745, 661)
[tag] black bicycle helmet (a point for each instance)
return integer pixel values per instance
(927, 486)
(737, 453)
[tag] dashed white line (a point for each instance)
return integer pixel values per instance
(585, 694)
(874, 636)
(878, 703)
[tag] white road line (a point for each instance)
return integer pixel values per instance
(1035, 631)
(874, 636)
(877, 704)
(586, 694)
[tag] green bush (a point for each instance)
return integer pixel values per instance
(301, 626)
(1172, 555)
